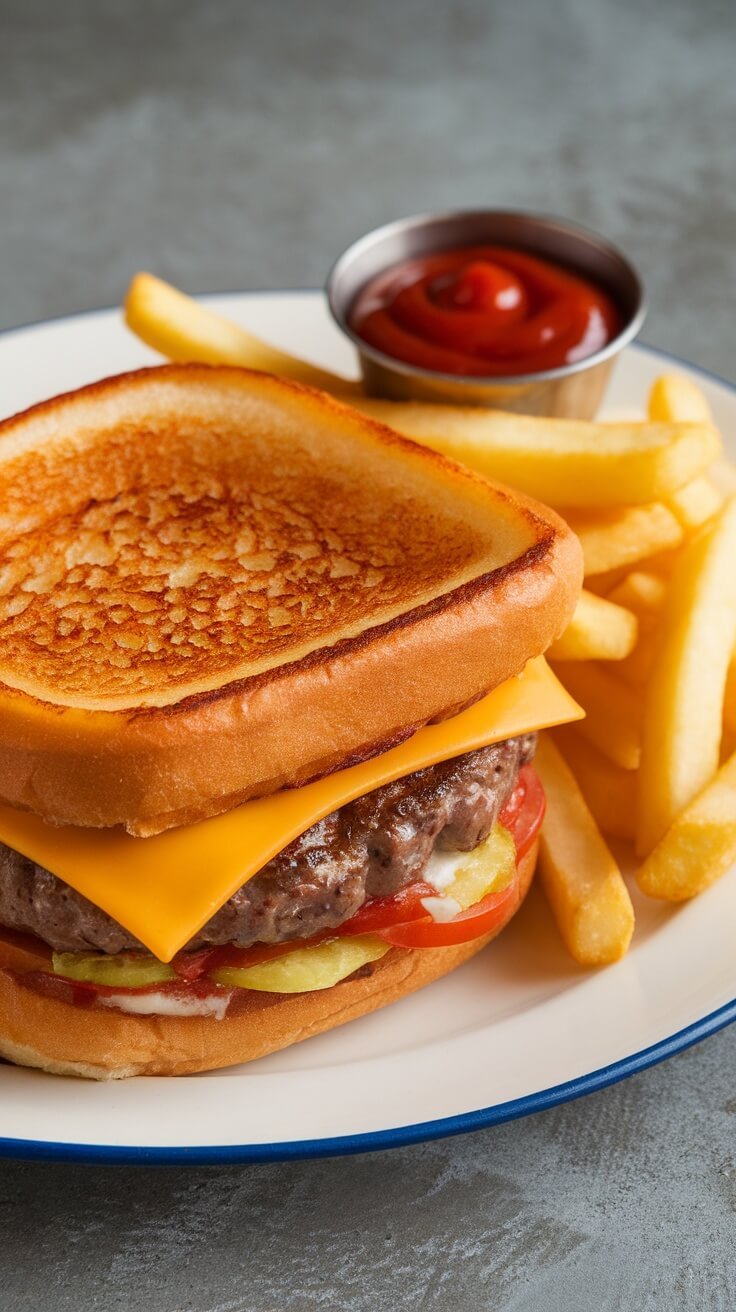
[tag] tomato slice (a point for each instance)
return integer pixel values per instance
(524, 812)
(481, 919)
(380, 912)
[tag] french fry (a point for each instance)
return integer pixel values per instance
(180, 328)
(663, 563)
(637, 668)
(685, 694)
(676, 397)
(622, 536)
(603, 585)
(612, 711)
(641, 592)
(699, 846)
(644, 593)
(598, 630)
(580, 878)
(729, 698)
(723, 473)
(609, 791)
(564, 462)
(695, 503)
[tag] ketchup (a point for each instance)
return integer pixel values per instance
(484, 310)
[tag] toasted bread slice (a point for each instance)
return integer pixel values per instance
(215, 583)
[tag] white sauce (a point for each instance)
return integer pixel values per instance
(163, 1004)
(441, 909)
(442, 868)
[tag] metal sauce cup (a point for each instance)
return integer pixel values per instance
(572, 390)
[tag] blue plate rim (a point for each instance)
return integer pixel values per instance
(399, 1136)
(376, 1140)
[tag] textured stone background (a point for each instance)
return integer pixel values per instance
(242, 145)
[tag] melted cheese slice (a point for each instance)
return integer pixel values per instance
(164, 889)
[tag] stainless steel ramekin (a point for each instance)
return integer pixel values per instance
(573, 390)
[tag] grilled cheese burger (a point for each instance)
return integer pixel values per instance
(270, 676)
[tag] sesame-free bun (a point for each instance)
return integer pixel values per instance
(220, 584)
(102, 1044)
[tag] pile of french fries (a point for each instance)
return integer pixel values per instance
(649, 654)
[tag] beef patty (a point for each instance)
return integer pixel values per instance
(370, 848)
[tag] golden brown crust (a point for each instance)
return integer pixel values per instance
(482, 579)
(63, 1039)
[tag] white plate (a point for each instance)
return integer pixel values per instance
(517, 1029)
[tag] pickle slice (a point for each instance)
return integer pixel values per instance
(489, 868)
(122, 971)
(306, 969)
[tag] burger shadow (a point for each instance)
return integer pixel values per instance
(531, 952)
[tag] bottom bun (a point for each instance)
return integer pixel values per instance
(108, 1045)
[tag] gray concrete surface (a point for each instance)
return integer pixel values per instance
(242, 145)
